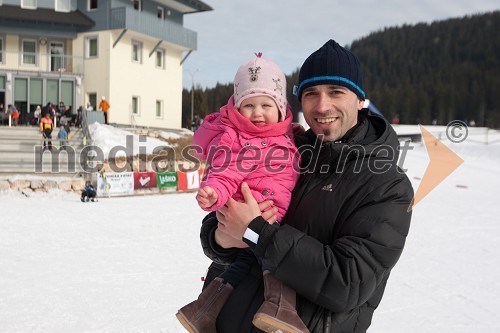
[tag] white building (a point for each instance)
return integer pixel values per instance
(129, 51)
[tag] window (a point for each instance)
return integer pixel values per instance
(135, 105)
(159, 109)
(28, 50)
(29, 4)
(1, 50)
(63, 6)
(92, 98)
(57, 58)
(137, 52)
(160, 12)
(91, 47)
(160, 59)
(91, 5)
(137, 5)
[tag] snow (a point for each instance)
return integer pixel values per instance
(127, 264)
(108, 137)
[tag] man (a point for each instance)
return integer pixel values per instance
(46, 127)
(347, 221)
(104, 107)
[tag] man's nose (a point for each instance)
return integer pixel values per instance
(323, 103)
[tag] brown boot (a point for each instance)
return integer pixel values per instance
(277, 313)
(199, 316)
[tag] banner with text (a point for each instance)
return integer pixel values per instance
(166, 179)
(111, 184)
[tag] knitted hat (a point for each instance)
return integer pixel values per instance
(260, 77)
(332, 64)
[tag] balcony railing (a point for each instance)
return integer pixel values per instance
(41, 62)
(149, 24)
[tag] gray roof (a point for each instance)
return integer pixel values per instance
(17, 13)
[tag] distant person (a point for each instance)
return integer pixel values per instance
(62, 137)
(4, 117)
(15, 116)
(79, 115)
(104, 107)
(195, 124)
(257, 118)
(50, 110)
(46, 127)
(89, 107)
(88, 192)
(37, 115)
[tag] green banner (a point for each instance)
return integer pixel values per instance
(166, 179)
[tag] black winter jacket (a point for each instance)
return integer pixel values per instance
(343, 233)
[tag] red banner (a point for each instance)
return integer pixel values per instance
(144, 180)
(189, 180)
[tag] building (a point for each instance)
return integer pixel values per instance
(129, 51)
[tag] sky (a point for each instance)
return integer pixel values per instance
(287, 31)
(126, 265)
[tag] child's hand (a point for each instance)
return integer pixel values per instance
(206, 197)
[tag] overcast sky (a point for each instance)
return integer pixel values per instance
(287, 31)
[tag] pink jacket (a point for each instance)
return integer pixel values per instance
(236, 150)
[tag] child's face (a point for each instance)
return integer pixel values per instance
(260, 110)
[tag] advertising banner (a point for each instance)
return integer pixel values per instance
(189, 180)
(166, 179)
(146, 179)
(114, 184)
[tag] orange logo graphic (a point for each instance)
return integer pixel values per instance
(442, 163)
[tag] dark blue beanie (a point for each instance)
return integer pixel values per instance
(332, 64)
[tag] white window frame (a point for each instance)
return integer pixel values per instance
(87, 47)
(160, 52)
(23, 53)
(159, 103)
(160, 12)
(28, 4)
(66, 6)
(139, 52)
(89, 7)
(137, 111)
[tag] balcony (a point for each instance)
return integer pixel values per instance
(149, 24)
(41, 63)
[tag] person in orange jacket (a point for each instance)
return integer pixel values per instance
(46, 127)
(104, 106)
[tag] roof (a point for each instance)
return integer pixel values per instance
(186, 6)
(45, 15)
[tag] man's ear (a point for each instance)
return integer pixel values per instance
(360, 104)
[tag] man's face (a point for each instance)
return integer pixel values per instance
(330, 110)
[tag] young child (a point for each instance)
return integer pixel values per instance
(250, 140)
(88, 192)
(62, 136)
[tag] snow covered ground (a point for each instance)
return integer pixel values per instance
(127, 264)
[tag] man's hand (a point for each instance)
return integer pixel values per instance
(206, 197)
(235, 216)
(227, 241)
